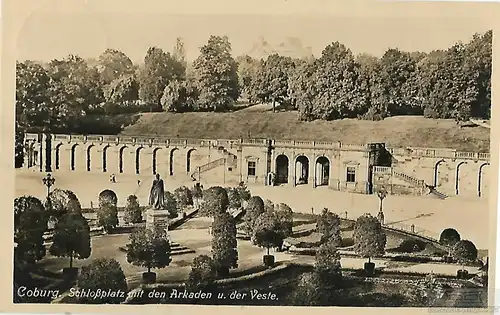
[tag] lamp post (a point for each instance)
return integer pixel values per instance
(381, 193)
(49, 182)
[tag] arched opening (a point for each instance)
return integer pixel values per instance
(105, 158)
(58, 156)
(281, 169)
(188, 160)
(154, 167)
(89, 157)
(457, 178)
(73, 157)
(436, 172)
(138, 160)
(322, 171)
(301, 170)
(120, 166)
(172, 161)
(480, 178)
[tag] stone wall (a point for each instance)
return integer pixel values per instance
(338, 166)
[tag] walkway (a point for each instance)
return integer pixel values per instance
(469, 216)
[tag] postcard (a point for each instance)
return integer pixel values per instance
(325, 156)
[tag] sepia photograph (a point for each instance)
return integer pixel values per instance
(251, 159)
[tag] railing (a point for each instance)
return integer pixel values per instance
(382, 170)
(58, 137)
(438, 153)
(409, 179)
(409, 151)
(94, 138)
(208, 166)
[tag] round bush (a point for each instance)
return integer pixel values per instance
(104, 274)
(449, 237)
(108, 195)
(464, 252)
(411, 246)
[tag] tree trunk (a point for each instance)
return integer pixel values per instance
(274, 106)
(369, 260)
(380, 205)
(268, 251)
(71, 259)
(149, 269)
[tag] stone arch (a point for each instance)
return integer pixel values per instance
(58, 156)
(457, 177)
(322, 171)
(73, 156)
(436, 172)
(138, 160)
(121, 161)
(480, 177)
(282, 169)
(154, 165)
(188, 159)
(89, 157)
(105, 158)
(172, 160)
(301, 170)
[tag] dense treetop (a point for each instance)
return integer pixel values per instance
(451, 83)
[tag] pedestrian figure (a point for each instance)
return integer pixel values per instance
(113, 178)
(91, 205)
(312, 210)
(138, 182)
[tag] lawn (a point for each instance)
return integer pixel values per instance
(399, 131)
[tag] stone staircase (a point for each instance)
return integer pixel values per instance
(413, 181)
(228, 159)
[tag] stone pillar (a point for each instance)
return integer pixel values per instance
(156, 218)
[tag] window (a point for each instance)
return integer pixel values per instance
(252, 168)
(351, 174)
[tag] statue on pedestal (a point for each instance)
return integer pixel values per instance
(157, 194)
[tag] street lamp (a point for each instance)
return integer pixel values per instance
(381, 193)
(49, 182)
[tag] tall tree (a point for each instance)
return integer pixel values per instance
(75, 88)
(248, 68)
(272, 79)
(179, 56)
(478, 62)
(30, 223)
(123, 89)
(397, 68)
(71, 238)
(336, 83)
(302, 90)
(156, 73)
(216, 75)
(33, 104)
(114, 64)
(224, 243)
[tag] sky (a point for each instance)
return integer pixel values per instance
(48, 29)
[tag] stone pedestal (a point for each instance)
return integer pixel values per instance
(156, 218)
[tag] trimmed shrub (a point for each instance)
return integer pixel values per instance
(133, 212)
(253, 209)
(369, 238)
(411, 246)
(214, 202)
(103, 274)
(234, 197)
(171, 204)
(203, 273)
(30, 224)
(449, 237)
(183, 196)
(328, 224)
(464, 252)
